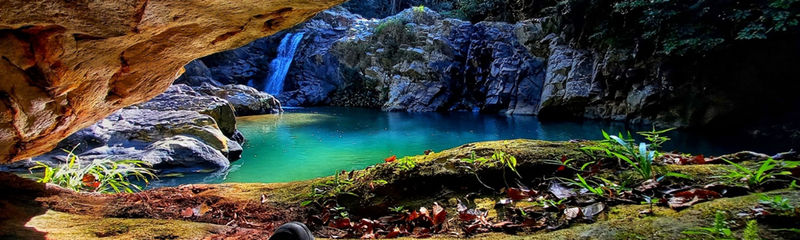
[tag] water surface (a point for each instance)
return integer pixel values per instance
(314, 142)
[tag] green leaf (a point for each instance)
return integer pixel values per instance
(678, 175)
(619, 140)
(304, 203)
(585, 165)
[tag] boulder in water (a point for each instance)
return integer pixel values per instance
(245, 100)
(180, 130)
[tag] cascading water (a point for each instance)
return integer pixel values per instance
(280, 65)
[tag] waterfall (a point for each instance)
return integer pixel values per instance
(280, 65)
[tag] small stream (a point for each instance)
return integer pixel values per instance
(306, 143)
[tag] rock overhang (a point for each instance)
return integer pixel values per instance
(69, 64)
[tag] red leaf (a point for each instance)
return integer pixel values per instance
(88, 178)
(700, 193)
(466, 216)
(690, 197)
(439, 215)
(95, 184)
(563, 160)
(517, 194)
(390, 159)
(394, 233)
(542, 222)
(343, 223)
(412, 216)
(699, 159)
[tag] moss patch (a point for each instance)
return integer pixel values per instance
(60, 225)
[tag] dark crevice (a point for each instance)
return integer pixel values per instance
(225, 36)
(114, 94)
(138, 15)
(7, 99)
(12, 63)
(80, 37)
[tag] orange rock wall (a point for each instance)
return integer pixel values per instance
(65, 65)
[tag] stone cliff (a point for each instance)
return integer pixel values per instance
(420, 61)
(68, 64)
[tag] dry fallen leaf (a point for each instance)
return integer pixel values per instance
(592, 210)
(560, 191)
(203, 209)
(188, 212)
(572, 213)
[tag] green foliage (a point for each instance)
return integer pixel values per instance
(105, 176)
(419, 9)
(793, 185)
(405, 163)
(794, 230)
(598, 190)
(754, 178)
(380, 182)
(719, 230)
(398, 209)
(476, 161)
(618, 188)
(331, 188)
(656, 137)
(480, 10)
(679, 27)
(390, 23)
(650, 201)
(545, 203)
(506, 160)
(777, 202)
(640, 158)
(498, 158)
(751, 231)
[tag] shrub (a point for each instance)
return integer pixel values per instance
(679, 27)
(105, 176)
(753, 178)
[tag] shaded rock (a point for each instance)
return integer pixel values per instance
(197, 73)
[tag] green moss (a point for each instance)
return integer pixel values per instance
(59, 225)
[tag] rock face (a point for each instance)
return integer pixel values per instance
(66, 65)
(178, 131)
(420, 61)
(308, 85)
